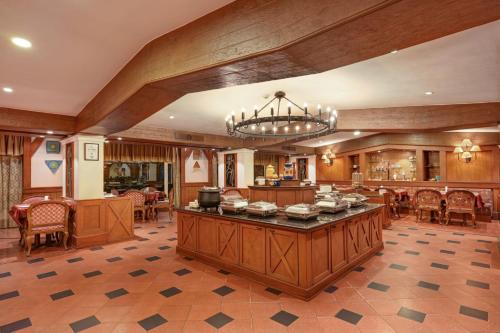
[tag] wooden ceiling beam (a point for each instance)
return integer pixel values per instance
(23, 121)
(251, 41)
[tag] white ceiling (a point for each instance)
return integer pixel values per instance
(460, 68)
(79, 45)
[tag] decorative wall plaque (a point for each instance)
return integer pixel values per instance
(91, 152)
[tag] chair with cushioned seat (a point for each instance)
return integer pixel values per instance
(461, 202)
(139, 201)
(427, 200)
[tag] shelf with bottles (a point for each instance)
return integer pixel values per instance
(393, 164)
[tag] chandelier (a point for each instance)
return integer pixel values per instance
(272, 121)
(466, 151)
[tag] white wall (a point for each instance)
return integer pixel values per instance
(192, 175)
(311, 166)
(41, 176)
(244, 167)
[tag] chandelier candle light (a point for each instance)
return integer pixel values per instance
(288, 125)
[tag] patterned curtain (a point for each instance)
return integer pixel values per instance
(137, 152)
(11, 187)
(177, 177)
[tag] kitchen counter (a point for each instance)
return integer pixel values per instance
(296, 257)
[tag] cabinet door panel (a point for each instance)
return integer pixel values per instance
(365, 242)
(376, 228)
(320, 258)
(338, 245)
(282, 255)
(252, 247)
(352, 240)
(227, 241)
(207, 236)
(187, 237)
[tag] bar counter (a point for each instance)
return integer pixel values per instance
(299, 258)
(283, 195)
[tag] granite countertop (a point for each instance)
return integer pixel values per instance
(282, 220)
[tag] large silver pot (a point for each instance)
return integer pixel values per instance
(209, 197)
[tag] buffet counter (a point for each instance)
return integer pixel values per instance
(298, 257)
(283, 195)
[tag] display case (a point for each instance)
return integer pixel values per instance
(432, 170)
(392, 164)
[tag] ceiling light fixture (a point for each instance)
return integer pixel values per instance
(171, 117)
(394, 51)
(50, 132)
(328, 157)
(428, 93)
(119, 139)
(21, 42)
(8, 90)
(356, 133)
(269, 116)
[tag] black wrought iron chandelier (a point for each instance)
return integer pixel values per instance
(274, 123)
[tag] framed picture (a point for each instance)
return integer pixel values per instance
(53, 147)
(91, 152)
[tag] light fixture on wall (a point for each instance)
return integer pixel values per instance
(328, 157)
(268, 122)
(466, 151)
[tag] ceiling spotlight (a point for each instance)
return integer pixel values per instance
(297, 128)
(275, 129)
(428, 93)
(379, 151)
(263, 128)
(357, 133)
(171, 117)
(119, 139)
(50, 132)
(286, 128)
(394, 51)
(41, 136)
(106, 141)
(21, 42)
(8, 90)
(308, 126)
(253, 127)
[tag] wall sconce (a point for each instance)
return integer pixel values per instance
(328, 158)
(466, 151)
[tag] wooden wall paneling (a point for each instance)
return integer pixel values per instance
(481, 169)
(119, 219)
(90, 223)
(227, 241)
(252, 241)
(338, 246)
(282, 255)
(207, 235)
(419, 154)
(188, 229)
(320, 255)
(52, 192)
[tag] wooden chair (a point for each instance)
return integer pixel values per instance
(139, 201)
(46, 217)
(32, 200)
(427, 200)
(394, 202)
(232, 191)
(461, 202)
(162, 203)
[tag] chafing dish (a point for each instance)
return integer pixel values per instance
(262, 208)
(355, 199)
(331, 205)
(234, 205)
(302, 211)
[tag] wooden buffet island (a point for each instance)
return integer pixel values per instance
(299, 258)
(283, 195)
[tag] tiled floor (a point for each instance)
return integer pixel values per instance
(427, 279)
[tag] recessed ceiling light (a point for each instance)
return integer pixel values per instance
(106, 141)
(41, 136)
(171, 117)
(8, 90)
(428, 93)
(21, 42)
(379, 151)
(119, 138)
(394, 51)
(50, 132)
(357, 133)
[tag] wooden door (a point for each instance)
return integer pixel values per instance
(282, 255)
(338, 236)
(227, 241)
(207, 236)
(352, 239)
(365, 242)
(252, 247)
(320, 258)
(187, 228)
(376, 220)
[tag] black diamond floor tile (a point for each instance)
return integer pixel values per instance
(274, 291)
(330, 289)
(62, 294)
(182, 272)
(403, 235)
(152, 233)
(453, 241)
(143, 239)
(92, 274)
(172, 239)
(153, 258)
(35, 260)
(161, 227)
(484, 241)
(188, 258)
(84, 324)
(430, 234)
(16, 326)
(482, 251)
(164, 247)
(8, 295)
(459, 234)
(428, 285)
(223, 272)
(440, 266)
(413, 253)
(447, 252)
(474, 313)
(114, 259)
(223, 291)
(96, 248)
(480, 264)
(219, 320)
(391, 243)
(412, 314)
(72, 260)
(478, 284)
(137, 227)
(5, 274)
(349, 316)
(379, 254)
(152, 322)
(130, 248)
(46, 275)
(422, 242)
(284, 318)
(359, 269)
(116, 293)
(137, 273)
(412, 228)
(397, 266)
(170, 292)
(378, 286)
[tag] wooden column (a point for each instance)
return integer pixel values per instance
(419, 154)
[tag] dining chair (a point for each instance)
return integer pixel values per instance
(461, 202)
(46, 217)
(394, 202)
(427, 200)
(139, 201)
(33, 199)
(161, 202)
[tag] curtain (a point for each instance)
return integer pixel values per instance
(215, 170)
(11, 187)
(135, 152)
(11, 145)
(177, 177)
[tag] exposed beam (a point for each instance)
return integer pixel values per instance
(252, 41)
(35, 122)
